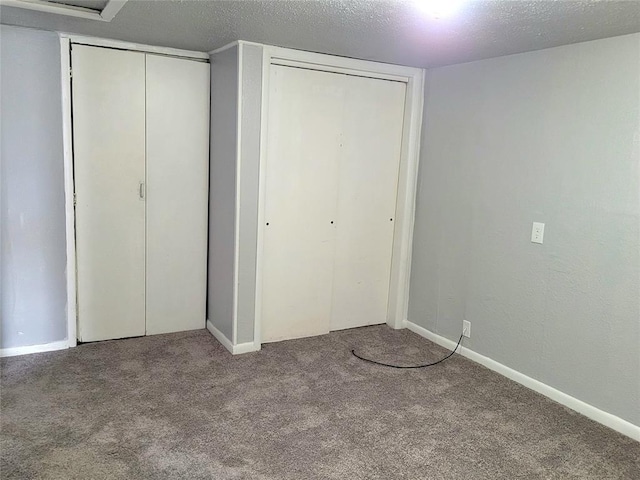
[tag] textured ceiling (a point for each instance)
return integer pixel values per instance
(388, 31)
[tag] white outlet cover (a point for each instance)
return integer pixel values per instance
(466, 328)
(537, 232)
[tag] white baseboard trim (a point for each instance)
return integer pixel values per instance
(226, 343)
(45, 347)
(221, 337)
(246, 347)
(600, 416)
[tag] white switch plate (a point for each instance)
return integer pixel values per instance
(537, 232)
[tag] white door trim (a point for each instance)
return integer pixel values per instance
(136, 47)
(407, 185)
(67, 133)
(236, 249)
(69, 189)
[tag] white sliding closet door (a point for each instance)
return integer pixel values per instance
(366, 207)
(177, 193)
(334, 146)
(109, 166)
(303, 149)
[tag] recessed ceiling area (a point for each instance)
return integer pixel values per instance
(97, 5)
(95, 10)
(398, 32)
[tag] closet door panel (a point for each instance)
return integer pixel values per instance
(366, 204)
(109, 164)
(177, 112)
(303, 144)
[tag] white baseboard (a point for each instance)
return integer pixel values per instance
(226, 343)
(246, 347)
(600, 416)
(45, 347)
(396, 325)
(221, 337)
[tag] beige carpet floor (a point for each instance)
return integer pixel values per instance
(179, 406)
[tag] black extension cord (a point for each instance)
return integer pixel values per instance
(375, 362)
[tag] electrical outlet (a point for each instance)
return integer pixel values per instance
(466, 328)
(537, 232)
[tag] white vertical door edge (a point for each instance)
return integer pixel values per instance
(301, 199)
(369, 167)
(177, 172)
(69, 213)
(236, 223)
(407, 186)
(262, 162)
(109, 168)
(406, 206)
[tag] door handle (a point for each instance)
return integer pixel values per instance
(141, 190)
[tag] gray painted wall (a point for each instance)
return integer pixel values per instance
(224, 168)
(33, 252)
(222, 189)
(549, 136)
(250, 122)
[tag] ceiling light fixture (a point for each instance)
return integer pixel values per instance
(439, 8)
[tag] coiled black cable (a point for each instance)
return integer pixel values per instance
(375, 362)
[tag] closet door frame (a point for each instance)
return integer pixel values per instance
(407, 181)
(66, 40)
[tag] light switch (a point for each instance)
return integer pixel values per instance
(537, 232)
